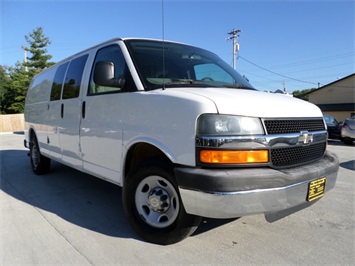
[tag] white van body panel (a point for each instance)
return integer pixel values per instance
(36, 114)
(256, 103)
(116, 122)
(181, 110)
(53, 129)
(101, 135)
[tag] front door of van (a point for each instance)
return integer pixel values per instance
(105, 113)
(70, 113)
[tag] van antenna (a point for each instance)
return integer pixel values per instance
(163, 37)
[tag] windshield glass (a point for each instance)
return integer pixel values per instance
(165, 64)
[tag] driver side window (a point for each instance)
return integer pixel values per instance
(112, 54)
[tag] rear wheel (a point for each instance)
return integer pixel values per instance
(40, 164)
(153, 206)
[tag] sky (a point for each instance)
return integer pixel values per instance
(292, 44)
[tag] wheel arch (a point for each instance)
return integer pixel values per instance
(141, 151)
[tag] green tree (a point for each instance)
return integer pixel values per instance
(39, 58)
(303, 94)
(18, 78)
(4, 88)
(16, 94)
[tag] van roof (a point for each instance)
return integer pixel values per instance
(110, 41)
(102, 43)
(118, 39)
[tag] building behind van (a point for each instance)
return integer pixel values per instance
(182, 132)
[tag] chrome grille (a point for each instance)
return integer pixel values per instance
(283, 157)
(293, 126)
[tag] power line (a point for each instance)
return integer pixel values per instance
(315, 60)
(281, 75)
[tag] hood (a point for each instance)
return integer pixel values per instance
(255, 103)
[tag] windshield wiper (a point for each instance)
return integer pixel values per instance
(238, 86)
(180, 81)
(188, 82)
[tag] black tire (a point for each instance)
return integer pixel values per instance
(40, 164)
(153, 205)
(348, 141)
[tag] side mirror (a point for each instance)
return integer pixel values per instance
(104, 75)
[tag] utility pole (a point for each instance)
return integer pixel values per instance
(234, 36)
(25, 59)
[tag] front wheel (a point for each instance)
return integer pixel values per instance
(153, 206)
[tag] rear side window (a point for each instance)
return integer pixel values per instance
(58, 82)
(40, 87)
(73, 77)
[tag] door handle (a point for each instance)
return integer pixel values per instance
(83, 110)
(62, 110)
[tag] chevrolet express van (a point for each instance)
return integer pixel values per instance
(183, 133)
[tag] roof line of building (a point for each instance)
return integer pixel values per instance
(329, 84)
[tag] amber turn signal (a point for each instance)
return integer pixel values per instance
(234, 157)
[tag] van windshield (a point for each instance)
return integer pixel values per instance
(165, 64)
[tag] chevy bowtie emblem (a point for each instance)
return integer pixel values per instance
(305, 137)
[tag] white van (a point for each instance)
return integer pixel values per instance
(183, 133)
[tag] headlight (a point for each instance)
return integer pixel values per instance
(210, 124)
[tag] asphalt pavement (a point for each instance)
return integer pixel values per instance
(68, 217)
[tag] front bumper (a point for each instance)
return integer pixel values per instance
(230, 193)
